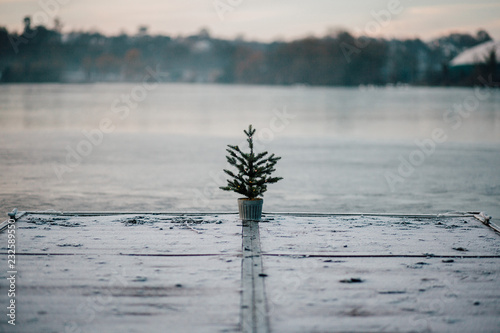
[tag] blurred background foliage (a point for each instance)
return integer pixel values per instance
(42, 54)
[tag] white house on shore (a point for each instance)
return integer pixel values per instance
(476, 65)
(477, 54)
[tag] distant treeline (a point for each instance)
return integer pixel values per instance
(41, 54)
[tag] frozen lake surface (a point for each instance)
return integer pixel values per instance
(119, 147)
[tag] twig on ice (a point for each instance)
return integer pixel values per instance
(190, 227)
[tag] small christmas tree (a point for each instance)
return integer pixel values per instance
(254, 171)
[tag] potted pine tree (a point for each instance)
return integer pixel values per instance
(253, 174)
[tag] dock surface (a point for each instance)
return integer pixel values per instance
(138, 272)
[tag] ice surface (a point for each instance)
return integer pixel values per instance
(168, 154)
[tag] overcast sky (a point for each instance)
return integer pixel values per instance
(263, 20)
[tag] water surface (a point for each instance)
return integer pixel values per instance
(122, 147)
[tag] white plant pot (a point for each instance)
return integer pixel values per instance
(250, 209)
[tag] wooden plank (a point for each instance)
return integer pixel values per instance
(124, 273)
(183, 273)
(381, 274)
(254, 314)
